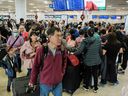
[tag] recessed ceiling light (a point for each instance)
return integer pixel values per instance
(118, 9)
(34, 7)
(3, 9)
(9, 6)
(31, 10)
(45, 11)
(109, 6)
(45, 2)
(31, 3)
(10, 1)
(37, 10)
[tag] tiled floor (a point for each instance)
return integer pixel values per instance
(103, 91)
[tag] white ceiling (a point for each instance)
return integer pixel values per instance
(43, 5)
(32, 5)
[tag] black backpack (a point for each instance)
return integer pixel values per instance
(45, 51)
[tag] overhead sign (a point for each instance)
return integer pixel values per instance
(95, 4)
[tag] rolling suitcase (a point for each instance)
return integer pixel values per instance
(19, 86)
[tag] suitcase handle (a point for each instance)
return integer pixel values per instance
(30, 89)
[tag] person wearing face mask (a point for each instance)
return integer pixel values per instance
(19, 42)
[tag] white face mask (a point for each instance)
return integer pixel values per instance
(15, 34)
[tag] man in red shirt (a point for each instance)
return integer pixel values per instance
(53, 68)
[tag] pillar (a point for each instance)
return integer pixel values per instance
(20, 9)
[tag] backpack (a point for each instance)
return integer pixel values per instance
(45, 52)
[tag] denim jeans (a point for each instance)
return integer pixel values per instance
(56, 90)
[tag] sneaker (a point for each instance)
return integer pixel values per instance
(70, 92)
(121, 72)
(114, 84)
(120, 69)
(117, 82)
(86, 89)
(8, 89)
(95, 90)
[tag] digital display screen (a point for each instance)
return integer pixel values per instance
(65, 5)
(113, 17)
(103, 17)
(75, 4)
(95, 4)
(94, 16)
(118, 17)
(59, 5)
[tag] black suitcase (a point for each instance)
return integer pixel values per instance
(72, 79)
(19, 86)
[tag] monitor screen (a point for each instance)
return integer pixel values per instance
(113, 17)
(119, 17)
(106, 17)
(59, 5)
(103, 17)
(95, 4)
(75, 4)
(94, 16)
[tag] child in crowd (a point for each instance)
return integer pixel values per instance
(10, 67)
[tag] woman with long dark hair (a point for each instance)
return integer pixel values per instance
(112, 48)
(27, 52)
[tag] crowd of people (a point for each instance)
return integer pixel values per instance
(44, 48)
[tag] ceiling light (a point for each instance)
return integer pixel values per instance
(118, 9)
(37, 10)
(31, 10)
(126, 1)
(31, 4)
(9, 6)
(45, 11)
(109, 6)
(2, 9)
(34, 7)
(45, 2)
(10, 1)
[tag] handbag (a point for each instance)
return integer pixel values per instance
(74, 60)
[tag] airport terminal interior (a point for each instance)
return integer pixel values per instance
(77, 47)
